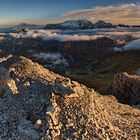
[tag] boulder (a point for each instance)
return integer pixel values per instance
(126, 88)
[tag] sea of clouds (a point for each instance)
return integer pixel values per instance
(120, 35)
(126, 34)
(46, 35)
(76, 35)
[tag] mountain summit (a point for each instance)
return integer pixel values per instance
(36, 103)
(79, 24)
(103, 24)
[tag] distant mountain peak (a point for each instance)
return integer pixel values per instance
(27, 26)
(79, 24)
(103, 24)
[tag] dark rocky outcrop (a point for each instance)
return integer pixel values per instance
(126, 88)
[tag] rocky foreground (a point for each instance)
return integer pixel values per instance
(36, 103)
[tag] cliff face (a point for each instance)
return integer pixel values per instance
(126, 88)
(39, 104)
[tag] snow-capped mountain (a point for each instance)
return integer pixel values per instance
(82, 24)
(79, 24)
(73, 24)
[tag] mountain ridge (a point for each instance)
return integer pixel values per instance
(45, 105)
(80, 24)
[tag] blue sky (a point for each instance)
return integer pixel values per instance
(44, 11)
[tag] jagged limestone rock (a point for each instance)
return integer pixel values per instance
(126, 88)
(53, 107)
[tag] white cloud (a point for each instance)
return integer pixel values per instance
(54, 58)
(54, 35)
(127, 36)
(121, 13)
(122, 34)
(134, 45)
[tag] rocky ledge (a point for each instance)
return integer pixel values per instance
(126, 88)
(36, 103)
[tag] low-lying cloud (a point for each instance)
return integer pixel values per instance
(51, 35)
(121, 35)
(53, 58)
(79, 35)
(134, 45)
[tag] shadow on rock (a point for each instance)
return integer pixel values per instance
(126, 88)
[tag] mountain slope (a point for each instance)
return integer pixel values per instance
(39, 104)
(79, 24)
(73, 24)
(103, 24)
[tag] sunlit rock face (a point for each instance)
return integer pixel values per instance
(50, 106)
